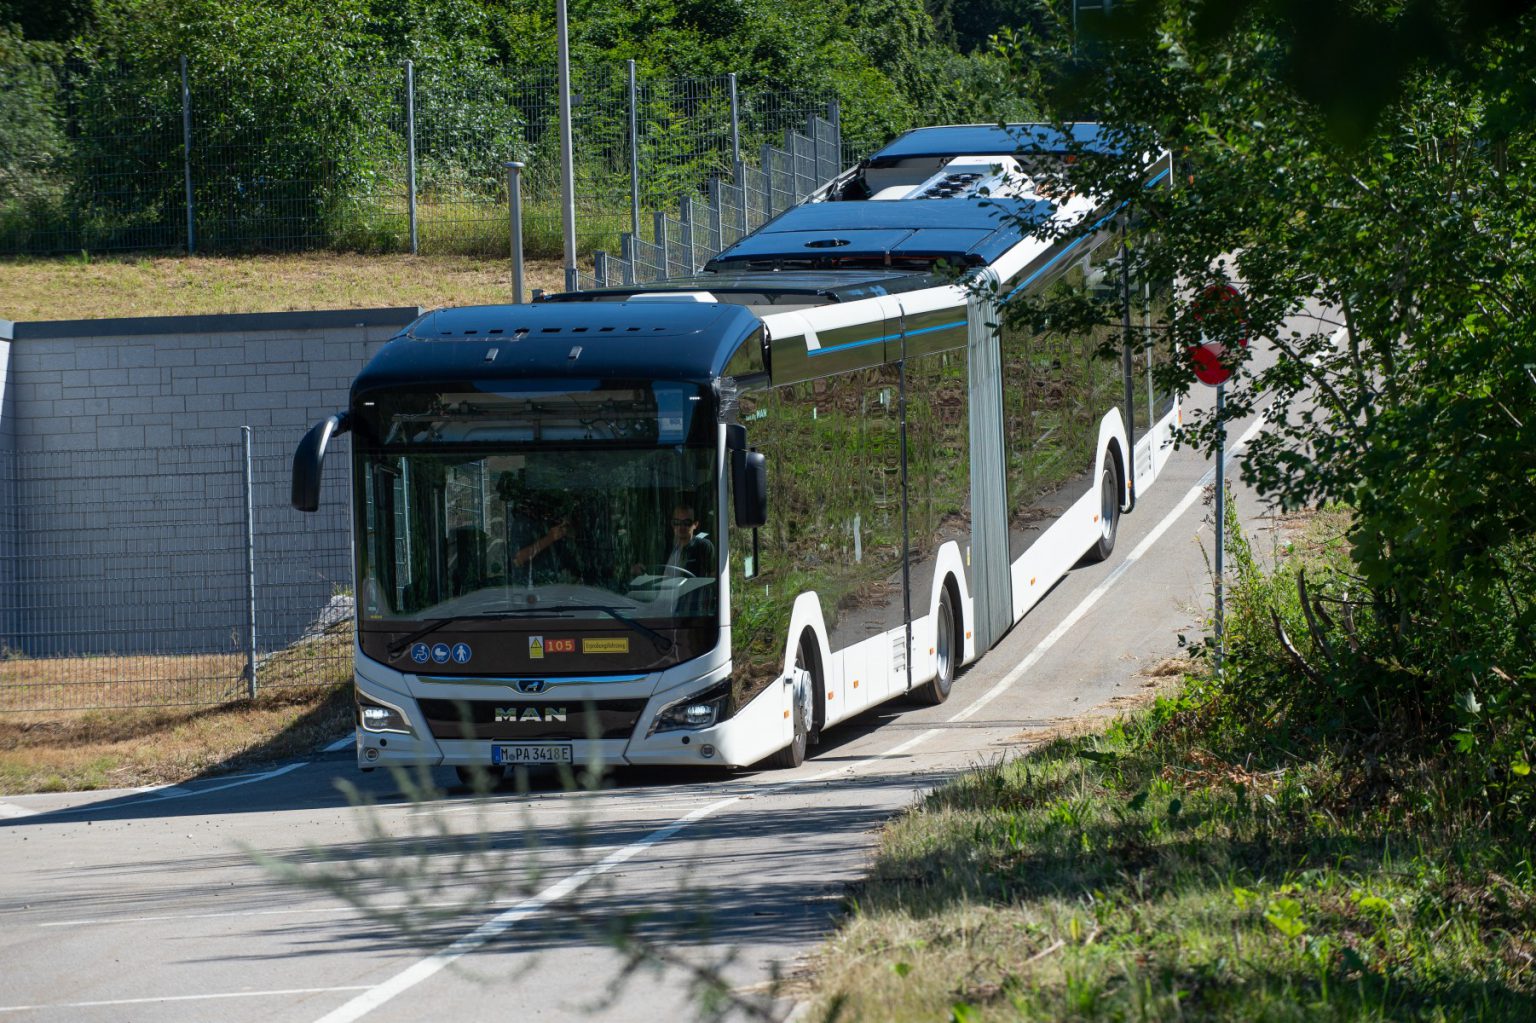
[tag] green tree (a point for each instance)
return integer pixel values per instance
(1413, 233)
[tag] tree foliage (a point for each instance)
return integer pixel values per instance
(1412, 231)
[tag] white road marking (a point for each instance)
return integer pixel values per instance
(341, 744)
(10, 811)
(182, 998)
(502, 922)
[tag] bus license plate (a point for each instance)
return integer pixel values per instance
(531, 753)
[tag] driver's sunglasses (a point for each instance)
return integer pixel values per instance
(682, 522)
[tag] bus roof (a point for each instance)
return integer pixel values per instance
(610, 340)
(987, 140)
(963, 232)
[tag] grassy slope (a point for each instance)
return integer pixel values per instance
(63, 289)
(1175, 866)
(1135, 876)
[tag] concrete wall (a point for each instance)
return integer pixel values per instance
(122, 477)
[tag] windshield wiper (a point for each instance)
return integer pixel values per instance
(399, 646)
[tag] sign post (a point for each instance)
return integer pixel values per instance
(1219, 304)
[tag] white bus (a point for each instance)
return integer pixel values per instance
(700, 522)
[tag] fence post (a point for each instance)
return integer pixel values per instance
(515, 225)
(627, 257)
(600, 268)
(660, 229)
(687, 217)
(767, 158)
(740, 170)
(634, 154)
(835, 115)
(716, 216)
(250, 565)
(186, 153)
(810, 129)
(410, 149)
(735, 126)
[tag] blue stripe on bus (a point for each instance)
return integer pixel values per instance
(885, 337)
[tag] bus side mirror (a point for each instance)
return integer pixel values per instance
(749, 479)
(308, 459)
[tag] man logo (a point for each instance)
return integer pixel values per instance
(531, 686)
(506, 715)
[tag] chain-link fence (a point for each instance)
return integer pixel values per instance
(168, 576)
(221, 159)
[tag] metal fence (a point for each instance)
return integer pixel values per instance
(189, 580)
(735, 204)
(386, 158)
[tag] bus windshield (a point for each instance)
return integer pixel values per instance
(596, 505)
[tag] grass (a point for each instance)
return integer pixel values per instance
(96, 287)
(302, 702)
(1135, 876)
(1196, 862)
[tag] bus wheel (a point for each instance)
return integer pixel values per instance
(1109, 510)
(793, 755)
(945, 654)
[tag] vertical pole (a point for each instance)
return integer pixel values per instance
(810, 129)
(250, 565)
(567, 168)
(1221, 513)
(716, 216)
(735, 126)
(186, 153)
(1128, 364)
(600, 268)
(627, 257)
(835, 114)
(634, 154)
(660, 228)
(515, 217)
(686, 213)
(740, 170)
(410, 150)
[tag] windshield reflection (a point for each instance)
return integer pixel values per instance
(595, 534)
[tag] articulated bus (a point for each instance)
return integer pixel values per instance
(703, 521)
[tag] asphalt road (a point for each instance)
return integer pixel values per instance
(171, 905)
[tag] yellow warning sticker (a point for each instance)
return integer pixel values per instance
(536, 647)
(619, 645)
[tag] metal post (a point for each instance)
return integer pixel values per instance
(627, 257)
(250, 565)
(567, 166)
(767, 160)
(687, 217)
(1221, 512)
(410, 149)
(735, 126)
(659, 226)
(515, 215)
(600, 268)
(634, 154)
(810, 129)
(716, 216)
(740, 171)
(1128, 362)
(186, 153)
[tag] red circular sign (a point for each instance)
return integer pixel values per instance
(1216, 303)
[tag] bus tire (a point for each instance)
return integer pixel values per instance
(793, 755)
(945, 654)
(1109, 508)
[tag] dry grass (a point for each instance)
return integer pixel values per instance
(101, 286)
(301, 704)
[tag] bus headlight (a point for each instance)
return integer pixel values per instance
(699, 710)
(373, 716)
